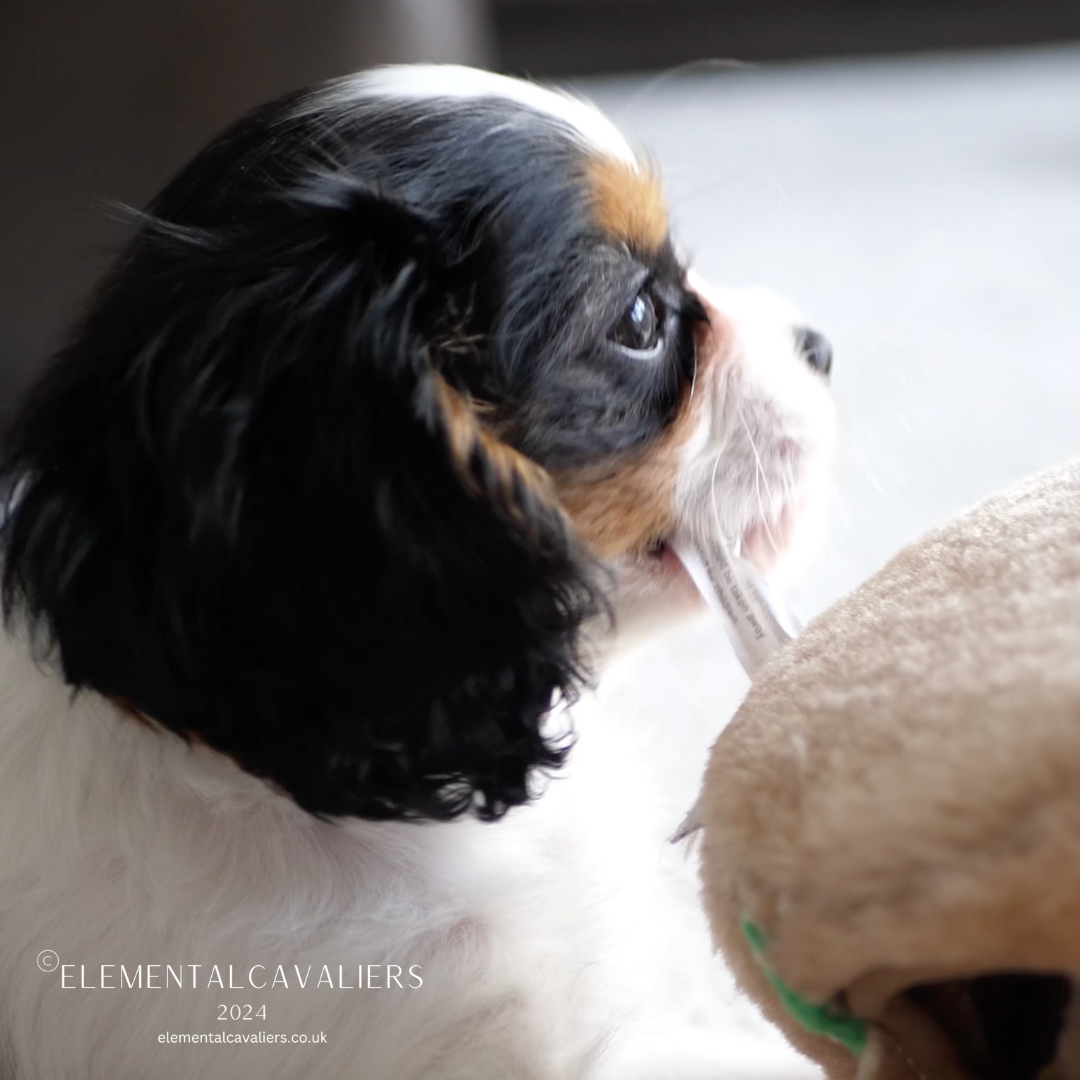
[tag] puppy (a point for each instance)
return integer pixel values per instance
(378, 427)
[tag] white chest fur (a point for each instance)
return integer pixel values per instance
(562, 942)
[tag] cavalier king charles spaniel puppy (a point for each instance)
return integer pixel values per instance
(377, 430)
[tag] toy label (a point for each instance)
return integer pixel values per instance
(756, 623)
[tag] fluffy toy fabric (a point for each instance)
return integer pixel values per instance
(891, 850)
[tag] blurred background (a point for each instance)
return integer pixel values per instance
(908, 171)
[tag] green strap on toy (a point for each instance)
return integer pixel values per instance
(827, 1019)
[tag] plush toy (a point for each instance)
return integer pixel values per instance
(891, 823)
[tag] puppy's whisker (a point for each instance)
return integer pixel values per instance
(718, 523)
(760, 479)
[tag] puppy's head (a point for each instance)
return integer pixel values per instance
(340, 462)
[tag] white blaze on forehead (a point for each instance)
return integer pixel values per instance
(430, 82)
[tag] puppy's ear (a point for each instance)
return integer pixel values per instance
(253, 507)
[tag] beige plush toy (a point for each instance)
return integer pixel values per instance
(891, 823)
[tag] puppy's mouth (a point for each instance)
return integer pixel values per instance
(663, 560)
(755, 620)
(762, 543)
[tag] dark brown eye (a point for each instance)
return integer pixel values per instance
(639, 330)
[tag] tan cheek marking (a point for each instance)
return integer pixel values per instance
(517, 486)
(630, 503)
(627, 204)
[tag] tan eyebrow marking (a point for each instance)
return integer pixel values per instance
(628, 203)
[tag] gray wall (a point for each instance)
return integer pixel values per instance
(104, 99)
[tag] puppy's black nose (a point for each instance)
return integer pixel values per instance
(815, 349)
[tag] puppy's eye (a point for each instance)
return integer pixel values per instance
(639, 330)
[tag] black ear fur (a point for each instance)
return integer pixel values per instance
(252, 509)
